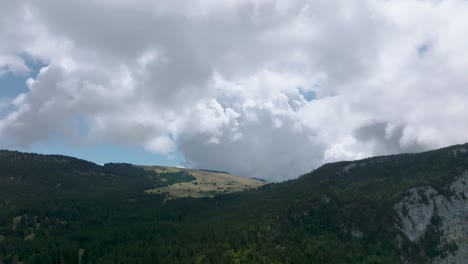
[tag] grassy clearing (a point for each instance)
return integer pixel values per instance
(207, 183)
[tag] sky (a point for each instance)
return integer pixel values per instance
(259, 88)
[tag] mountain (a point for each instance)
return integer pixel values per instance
(408, 208)
(27, 178)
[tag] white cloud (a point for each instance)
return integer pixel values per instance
(223, 81)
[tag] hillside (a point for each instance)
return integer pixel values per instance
(204, 184)
(409, 208)
(27, 178)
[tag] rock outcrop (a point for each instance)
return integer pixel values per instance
(426, 212)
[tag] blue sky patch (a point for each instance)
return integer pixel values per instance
(308, 95)
(5, 108)
(12, 84)
(105, 153)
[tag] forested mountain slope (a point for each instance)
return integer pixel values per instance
(403, 208)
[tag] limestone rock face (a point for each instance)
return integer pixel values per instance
(418, 209)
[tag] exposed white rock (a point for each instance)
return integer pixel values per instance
(356, 233)
(348, 167)
(415, 211)
(417, 208)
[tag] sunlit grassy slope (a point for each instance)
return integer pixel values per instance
(204, 184)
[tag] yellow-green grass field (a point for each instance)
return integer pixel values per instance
(207, 183)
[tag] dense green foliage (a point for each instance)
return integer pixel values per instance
(168, 178)
(339, 213)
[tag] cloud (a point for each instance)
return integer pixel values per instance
(386, 139)
(260, 88)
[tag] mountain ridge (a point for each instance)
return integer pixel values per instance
(361, 211)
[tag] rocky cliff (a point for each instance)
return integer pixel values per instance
(437, 220)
